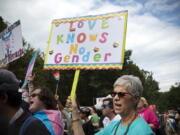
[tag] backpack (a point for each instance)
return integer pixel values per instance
(26, 123)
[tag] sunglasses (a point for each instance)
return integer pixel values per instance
(106, 105)
(34, 95)
(23, 97)
(120, 94)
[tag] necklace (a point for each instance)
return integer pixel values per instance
(127, 129)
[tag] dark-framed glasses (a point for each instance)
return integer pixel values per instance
(26, 96)
(33, 95)
(106, 105)
(120, 94)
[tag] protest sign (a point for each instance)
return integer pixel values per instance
(90, 42)
(11, 45)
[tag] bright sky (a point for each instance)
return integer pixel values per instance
(153, 31)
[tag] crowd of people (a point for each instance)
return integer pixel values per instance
(37, 111)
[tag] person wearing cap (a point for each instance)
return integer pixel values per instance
(19, 121)
(108, 112)
(94, 119)
(87, 125)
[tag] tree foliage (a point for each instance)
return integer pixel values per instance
(3, 25)
(170, 100)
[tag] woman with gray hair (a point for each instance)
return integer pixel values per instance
(126, 94)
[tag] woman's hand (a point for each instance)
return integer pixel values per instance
(76, 122)
(71, 104)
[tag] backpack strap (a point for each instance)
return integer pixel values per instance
(26, 123)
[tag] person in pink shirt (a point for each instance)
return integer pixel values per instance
(149, 116)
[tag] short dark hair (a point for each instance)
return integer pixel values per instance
(110, 102)
(47, 97)
(85, 111)
(9, 86)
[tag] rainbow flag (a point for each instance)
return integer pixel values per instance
(30, 68)
(56, 75)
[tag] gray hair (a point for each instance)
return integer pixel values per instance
(131, 83)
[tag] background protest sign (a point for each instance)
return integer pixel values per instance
(90, 42)
(11, 46)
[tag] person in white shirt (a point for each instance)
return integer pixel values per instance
(108, 112)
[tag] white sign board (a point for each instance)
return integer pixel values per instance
(11, 45)
(90, 42)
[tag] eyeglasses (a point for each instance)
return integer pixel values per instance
(27, 96)
(120, 94)
(106, 105)
(34, 95)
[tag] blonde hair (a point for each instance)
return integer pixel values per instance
(144, 101)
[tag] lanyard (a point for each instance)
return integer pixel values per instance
(127, 129)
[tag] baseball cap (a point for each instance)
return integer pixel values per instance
(85, 110)
(8, 80)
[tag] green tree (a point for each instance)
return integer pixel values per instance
(174, 95)
(151, 88)
(163, 102)
(3, 25)
(169, 100)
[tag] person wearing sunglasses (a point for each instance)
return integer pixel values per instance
(14, 120)
(87, 124)
(126, 95)
(108, 112)
(43, 107)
